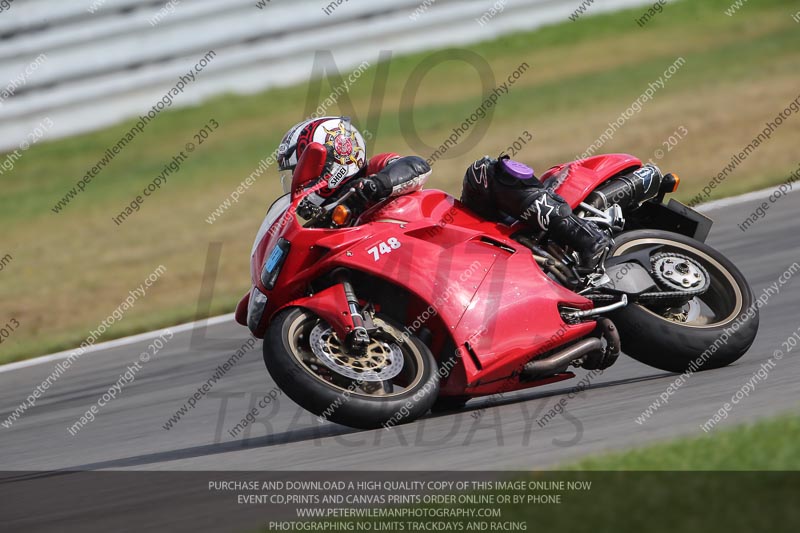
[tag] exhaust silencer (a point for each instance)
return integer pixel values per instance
(560, 361)
(628, 190)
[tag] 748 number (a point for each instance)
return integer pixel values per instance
(384, 248)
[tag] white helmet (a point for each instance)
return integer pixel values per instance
(349, 150)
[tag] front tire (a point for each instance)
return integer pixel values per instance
(449, 404)
(718, 329)
(332, 396)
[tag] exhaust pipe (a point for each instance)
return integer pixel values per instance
(629, 189)
(577, 315)
(561, 360)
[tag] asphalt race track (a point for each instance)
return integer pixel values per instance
(495, 434)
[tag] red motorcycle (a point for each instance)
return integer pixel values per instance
(374, 317)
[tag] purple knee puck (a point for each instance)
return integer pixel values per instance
(516, 169)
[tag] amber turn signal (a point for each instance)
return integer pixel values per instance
(341, 214)
(670, 183)
(677, 182)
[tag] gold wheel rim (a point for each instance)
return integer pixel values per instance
(739, 300)
(411, 355)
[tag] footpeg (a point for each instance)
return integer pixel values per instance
(577, 315)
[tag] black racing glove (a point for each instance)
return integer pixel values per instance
(366, 191)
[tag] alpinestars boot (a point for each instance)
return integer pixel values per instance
(584, 237)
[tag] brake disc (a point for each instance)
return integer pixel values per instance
(381, 361)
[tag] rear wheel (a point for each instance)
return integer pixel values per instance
(699, 332)
(393, 382)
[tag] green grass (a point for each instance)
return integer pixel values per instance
(70, 270)
(767, 445)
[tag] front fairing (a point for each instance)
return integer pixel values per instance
(276, 211)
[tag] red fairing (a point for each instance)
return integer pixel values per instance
(585, 175)
(378, 162)
(309, 166)
(331, 305)
(492, 302)
(241, 310)
(488, 292)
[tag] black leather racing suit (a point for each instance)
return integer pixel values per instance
(495, 194)
(389, 175)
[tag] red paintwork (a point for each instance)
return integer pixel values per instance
(377, 162)
(330, 305)
(309, 166)
(241, 310)
(587, 174)
(491, 295)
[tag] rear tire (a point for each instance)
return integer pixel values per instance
(670, 345)
(284, 356)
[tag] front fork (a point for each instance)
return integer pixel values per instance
(358, 339)
(339, 307)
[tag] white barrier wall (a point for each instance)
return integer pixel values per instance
(85, 64)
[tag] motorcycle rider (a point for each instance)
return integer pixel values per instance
(500, 188)
(493, 188)
(383, 176)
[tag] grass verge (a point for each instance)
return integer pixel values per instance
(765, 445)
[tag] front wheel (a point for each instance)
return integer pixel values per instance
(393, 382)
(704, 331)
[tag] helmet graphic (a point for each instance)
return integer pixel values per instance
(349, 151)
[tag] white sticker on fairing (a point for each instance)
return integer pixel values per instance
(383, 248)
